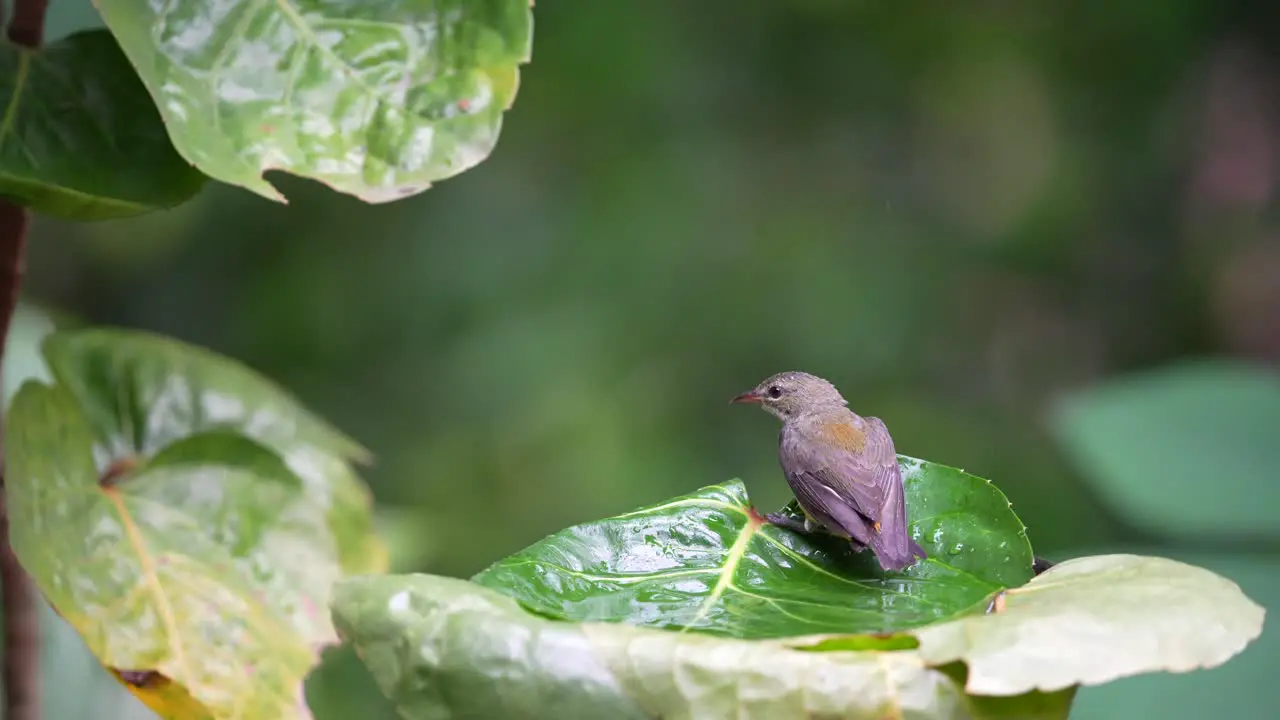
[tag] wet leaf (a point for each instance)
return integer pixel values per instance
(187, 518)
(81, 139)
(785, 626)
(1184, 449)
(1095, 619)
(705, 561)
(441, 647)
(374, 99)
(141, 392)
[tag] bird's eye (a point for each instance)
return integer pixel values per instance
(775, 392)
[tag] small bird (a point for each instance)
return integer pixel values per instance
(842, 467)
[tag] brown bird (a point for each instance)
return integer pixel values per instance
(842, 467)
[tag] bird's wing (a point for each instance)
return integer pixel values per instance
(846, 466)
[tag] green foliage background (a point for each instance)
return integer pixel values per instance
(961, 216)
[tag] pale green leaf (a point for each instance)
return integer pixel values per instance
(187, 519)
(1214, 692)
(1095, 619)
(376, 99)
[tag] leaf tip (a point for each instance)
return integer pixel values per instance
(264, 188)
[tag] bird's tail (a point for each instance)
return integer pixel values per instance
(896, 552)
(893, 545)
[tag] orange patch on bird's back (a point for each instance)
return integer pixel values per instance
(845, 436)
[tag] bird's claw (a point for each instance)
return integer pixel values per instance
(787, 521)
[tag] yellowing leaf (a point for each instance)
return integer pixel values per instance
(179, 531)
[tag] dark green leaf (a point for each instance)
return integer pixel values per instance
(705, 561)
(186, 518)
(1185, 449)
(440, 647)
(80, 137)
(374, 99)
(1094, 619)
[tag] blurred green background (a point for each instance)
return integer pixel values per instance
(1040, 240)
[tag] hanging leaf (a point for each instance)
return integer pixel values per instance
(187, 518)
(375, 99)
(81, 139)
(707, 561)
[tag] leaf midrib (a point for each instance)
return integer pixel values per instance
(152, 578)
(731, 562)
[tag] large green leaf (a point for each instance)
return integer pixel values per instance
(1189, 448)
(186, 518)
(441, 647)
(64, 661)
(141, 392)
(80, 138)
(377, 99)
(785, 626)
(706, 561)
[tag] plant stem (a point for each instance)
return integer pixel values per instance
(27, 27)
(21, 622)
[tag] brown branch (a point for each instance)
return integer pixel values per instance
(21, 623)
(27, 26)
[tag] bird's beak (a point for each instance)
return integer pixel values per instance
(751, 396)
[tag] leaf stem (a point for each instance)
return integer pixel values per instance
(21, 623)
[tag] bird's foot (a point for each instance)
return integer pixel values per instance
(789, 522)
(1039, 565)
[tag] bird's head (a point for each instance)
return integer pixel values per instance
(790, 394)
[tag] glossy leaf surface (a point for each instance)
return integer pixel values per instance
(80, 137)
(187, 518)
(1188, 448)
(375, 98)
(441, 647)
(1094, 619)
(705, 561)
